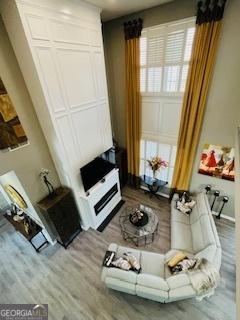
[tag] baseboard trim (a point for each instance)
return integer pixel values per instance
(224, 216)
(110, 216)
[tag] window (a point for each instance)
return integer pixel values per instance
(165, 52)
(167, 152)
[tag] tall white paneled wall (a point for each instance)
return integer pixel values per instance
(58, 44)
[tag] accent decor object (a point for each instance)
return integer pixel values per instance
(16, 197)
(217, 161)
(138, 218)
(156, 163)
(44, 176)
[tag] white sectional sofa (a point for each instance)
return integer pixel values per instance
(195, 234)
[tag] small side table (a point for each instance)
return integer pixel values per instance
(35, 230)
(154, 185)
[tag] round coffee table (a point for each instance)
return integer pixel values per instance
(139, 235)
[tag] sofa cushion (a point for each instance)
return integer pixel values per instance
(208, 253)
(178, 216)
(167, 271)
(152, 263)
(181, 237)
(113, 247)
(181, 293)
(151, 293)
(201, 208)
(218, 259)
(202, 234)
(214, 229)
(120, 285)
(178, 281)
(128, 276)
(151, 281)
(121, 250)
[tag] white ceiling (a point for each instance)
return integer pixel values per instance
(117, 8)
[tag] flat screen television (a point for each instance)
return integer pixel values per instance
(97, 169)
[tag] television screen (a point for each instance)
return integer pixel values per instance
(95, 170)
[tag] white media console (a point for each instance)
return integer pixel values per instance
(102, 198)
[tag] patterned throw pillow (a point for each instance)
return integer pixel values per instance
(135, 265)
(122, 264)
(184, 265)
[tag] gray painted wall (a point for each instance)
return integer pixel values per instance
(222, 114)
(223, 105)
(28, 160)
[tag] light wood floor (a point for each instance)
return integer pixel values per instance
(69, 280)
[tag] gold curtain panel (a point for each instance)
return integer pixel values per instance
(198, 83)
(133, 104)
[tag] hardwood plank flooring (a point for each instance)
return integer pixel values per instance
(69, 280)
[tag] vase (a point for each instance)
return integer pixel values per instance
(154, 175)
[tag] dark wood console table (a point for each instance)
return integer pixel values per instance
(61, 214)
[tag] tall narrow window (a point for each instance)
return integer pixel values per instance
(165, 52)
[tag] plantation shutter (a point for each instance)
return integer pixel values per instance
(165, 52)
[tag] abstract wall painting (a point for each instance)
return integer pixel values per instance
(12, 134)
(217, 161)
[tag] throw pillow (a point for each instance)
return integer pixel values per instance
(184, 265)
(133, 261)
(122, 264)
(176, 259)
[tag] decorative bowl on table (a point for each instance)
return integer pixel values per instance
(138, 218)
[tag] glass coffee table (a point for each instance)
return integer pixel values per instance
(144, 233)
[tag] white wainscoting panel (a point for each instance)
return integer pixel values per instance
(170, 118)
(161, 118)
(49, 74)
(151, 114)
(69, 32)
(37, 27)
(63, 39)
(77, 74)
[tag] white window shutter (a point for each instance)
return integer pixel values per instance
(165, 52)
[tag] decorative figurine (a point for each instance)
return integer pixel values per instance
(136, 216)
(44, 176)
